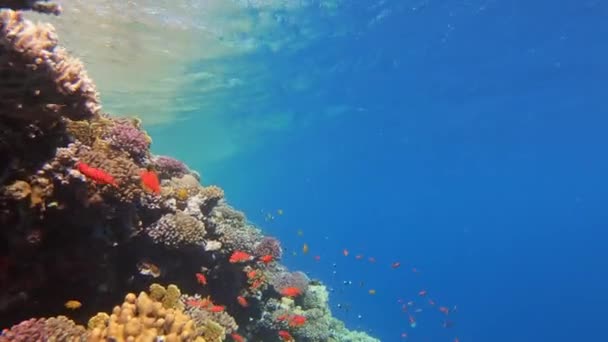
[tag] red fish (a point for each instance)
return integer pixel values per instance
(97, 175)
(317, 258)
(237, 338)
(239, 256)
(216, 308)
(359, 256)
(444, 309)
(291, 292)
(252, 274)
(431, 302)
(201, 278)
(396, 264)
(149, 181)
(242, 301)
(266, 258)
(297, 321)
(285, 335)
(345, 252)
(422, 293)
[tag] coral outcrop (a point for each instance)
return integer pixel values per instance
(88, 214)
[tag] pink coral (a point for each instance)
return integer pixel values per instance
(125, 136)
(268, 246)
(168, 167)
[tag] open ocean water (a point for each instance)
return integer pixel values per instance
(465, 140)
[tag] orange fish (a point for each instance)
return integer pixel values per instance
(317, 258)
(297, 321)
(97, 175)
(201, 279)
(149, 181)
(345, 252)
(216, 308)
(266, 258)
(257, 284)
(285, 335)
(412, 321)
(372, 260)
(242, 301)
(404, 335)
(252, 274)
(422, 293)
(431, 302)
(237, 338)
(291, 292)
(444, 309)
(239, 256)
(359, 256)
(396, 264)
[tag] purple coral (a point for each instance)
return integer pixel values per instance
(268, 246)
(283, 280)
(125, 136)
(168, 167)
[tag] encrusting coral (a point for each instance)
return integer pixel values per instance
(84, 204)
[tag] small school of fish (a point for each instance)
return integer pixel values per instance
(409, 308)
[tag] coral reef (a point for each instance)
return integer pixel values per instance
(88, 214)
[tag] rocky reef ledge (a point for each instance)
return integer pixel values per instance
(103, 241)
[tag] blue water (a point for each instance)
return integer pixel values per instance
(464, 138)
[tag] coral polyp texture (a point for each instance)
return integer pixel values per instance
(91, 218)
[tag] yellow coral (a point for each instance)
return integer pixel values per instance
(98, 321)
(212, 331)
(169, 296)
(181, 194)
(142, 319)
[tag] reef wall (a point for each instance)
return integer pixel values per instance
(106, 241)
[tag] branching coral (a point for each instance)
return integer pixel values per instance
(177, 230)
(168, 167)
(202, 315)
(268, 246)
(124, 135)
(40, 81)
(233, 230)
(51, 329)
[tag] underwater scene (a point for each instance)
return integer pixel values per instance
(303, 170)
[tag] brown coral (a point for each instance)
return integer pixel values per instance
(40, 81)
(202, 317)
(176, 230)
(140, 318)
(50, 329)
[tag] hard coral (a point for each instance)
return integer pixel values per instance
(282, 280)
(177, 230)
(40, 81)
(50, 329)
(234, 230)
(268, 246)
(141, 318)
(129, 138)
(202, 315)
(168, 167)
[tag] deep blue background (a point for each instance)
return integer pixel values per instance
(474, 149)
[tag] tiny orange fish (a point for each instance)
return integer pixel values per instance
(372, 260)
(297, 321)
(252, 274)
(291, 292)
(257, 283)
(359, 256)
(422, 293)
(396, 264)
(444, 310)
(201, 278)
(242, 301)
(317, 258)
(239, 256)
(266, 258)
(345, 252)
(216, 308)
(149, 181)
(237, 338)
(285, 335)
(73, 304)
